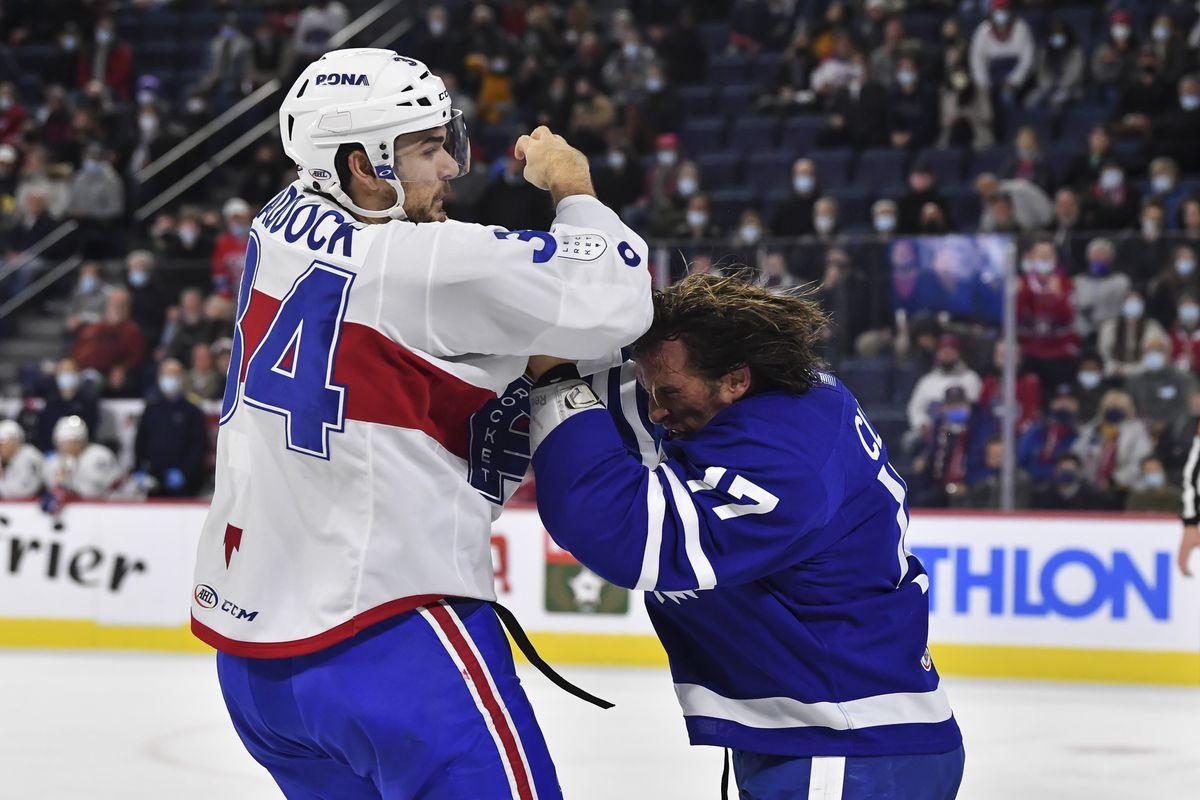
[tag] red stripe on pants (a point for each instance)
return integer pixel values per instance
(491, 702)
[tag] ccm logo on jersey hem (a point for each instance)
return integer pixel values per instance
(206, 597)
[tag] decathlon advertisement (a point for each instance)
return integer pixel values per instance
(1075, 597)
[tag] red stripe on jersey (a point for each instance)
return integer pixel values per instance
(491, 702)
(385, 382)
(311, 644)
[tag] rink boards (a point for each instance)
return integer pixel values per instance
(1071, 597)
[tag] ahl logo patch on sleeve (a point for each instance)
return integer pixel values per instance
(582, 246)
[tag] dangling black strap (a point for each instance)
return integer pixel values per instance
(526, 647)
(725, 777)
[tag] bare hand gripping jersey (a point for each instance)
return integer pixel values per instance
(361, 354)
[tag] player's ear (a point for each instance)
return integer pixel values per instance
(361, 169)
(735, 384)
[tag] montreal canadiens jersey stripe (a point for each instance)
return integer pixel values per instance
(385, 382)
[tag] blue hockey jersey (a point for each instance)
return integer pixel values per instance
(771, 548)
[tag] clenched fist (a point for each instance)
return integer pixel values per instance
(554, 165)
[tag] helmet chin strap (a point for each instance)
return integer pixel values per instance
(396, 211)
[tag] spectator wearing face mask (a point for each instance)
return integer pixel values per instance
(1047, 440)
(67, 395)
(317, 24)
(858, 111)
(965, 112)
(911, 108)
(1046, 316)
(794, 216)
(229, 62)
(85, 304)
(1089, 384)
(984, 491)
(1027, 161)
(949, 371)
(620, 180)
(1185, 335)
(774, 274)
(1059, 71)
(1112, 202)
(1002, 57)
(826, 225)
(171, 436)
(697, 222)
(1175, 132)
(1153, 493)
(1029, 391)
(1114, 60)
(229, 254)
(1067, 490)
(1122, 341)
(884, 220)
(149, 297)
(1160, 391)
(107, 59)
(1111, 447)
(97, 201)
(1084, 169)
(668, 214)
(205, 380)
(749, 233)
(1177, 279)
(1143, 251)
(663, 175)
(1100, 292)
(1166, 190)
(1143, 96)
(942, 467)
(1169, 47)
(847, 295)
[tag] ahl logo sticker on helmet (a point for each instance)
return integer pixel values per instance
(342, 79)
(320, 174)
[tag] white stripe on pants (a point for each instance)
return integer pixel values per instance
(826, 777)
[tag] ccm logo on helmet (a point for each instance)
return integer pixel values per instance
(342, 79)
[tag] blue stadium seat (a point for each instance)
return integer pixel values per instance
(728, 205)
(1081, 20)
(754, 134)
(769, 170)
(727, 69)
(833, 165)
(715, 36)
(702, 135)
(799, 134)
(964, 206)
(158, 56)
(1058, 159)
(1078, 121)
(924, 27)
(854, 206)
(946, 163)
(764, 67)
(159, 24)
(1131, 153)
(719, 170)
(868, 379)
(988, 159)
(1039, 119)
(904, 380)
(697, 99)
(734, 97)
(879, 167)
(772, 199)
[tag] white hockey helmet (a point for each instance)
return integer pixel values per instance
(10, 431)
(70, 429)
(368, 97)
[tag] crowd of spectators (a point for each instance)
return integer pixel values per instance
(1071, 126)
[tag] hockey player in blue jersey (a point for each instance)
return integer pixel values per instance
(768, 533)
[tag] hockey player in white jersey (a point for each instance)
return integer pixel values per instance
(20, 464)
(77, 467)
(345, 566)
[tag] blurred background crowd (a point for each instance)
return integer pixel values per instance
(808, 140)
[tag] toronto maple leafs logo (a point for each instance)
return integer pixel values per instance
(498, 456)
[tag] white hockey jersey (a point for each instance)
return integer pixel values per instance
(91, 475)
(22, 477)
(361, 353)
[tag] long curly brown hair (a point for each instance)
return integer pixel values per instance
(729, 322)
